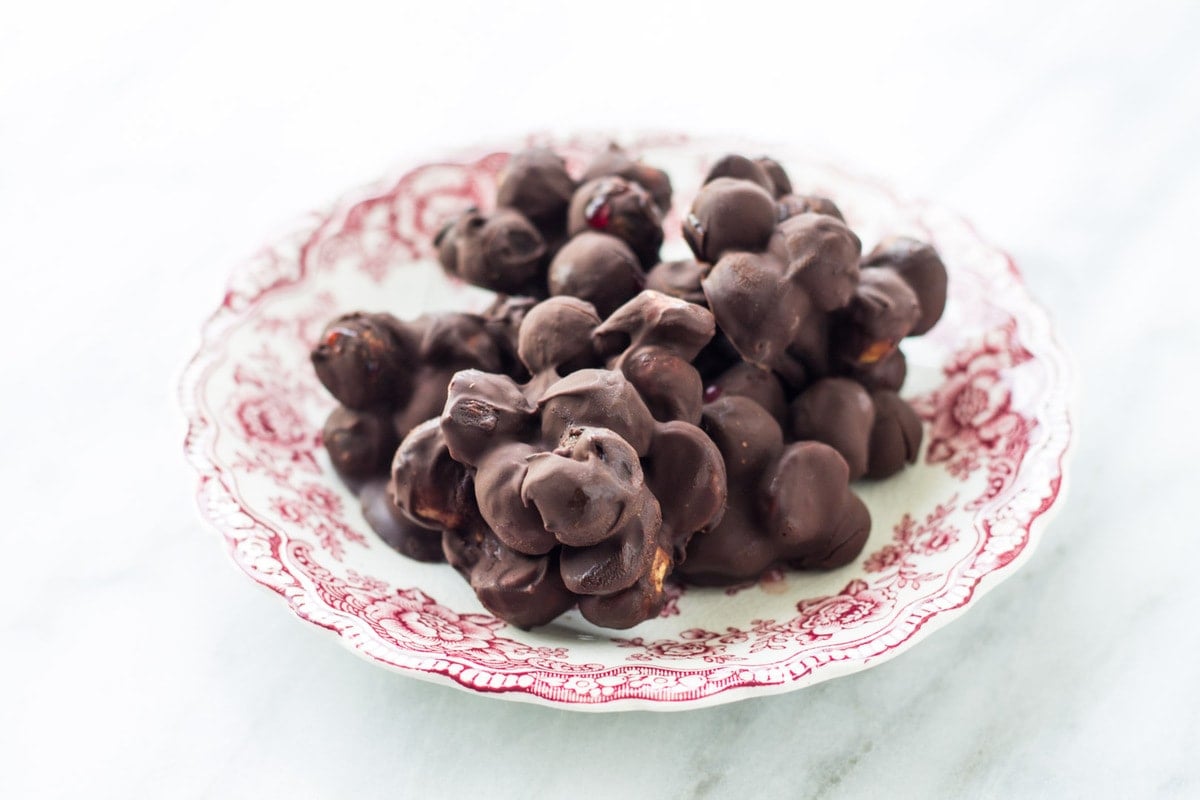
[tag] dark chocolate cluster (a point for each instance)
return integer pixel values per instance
(613, 420)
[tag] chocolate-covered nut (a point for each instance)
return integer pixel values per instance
(525, 591)
(616, 562)
(844, 541)
(693, 498)
(729, 215)
(585, 487)
(804, 494)
(781, 184)
(503, 252)
(597, 398)
(427, 485)
(656, 337)
(747, 436)
(615, 161)
(482, 411)
(642, 601)
(623, 209)
(535, 182)
(556, 336)
(886, 373)
(755, 307)
(753, 382)
(502, 320)
(459, 341)
(679, 279)
(881, 313)
(360, 443)
(838, 412)
(598, 268)
(793, 205)
(499, 493)
(740, 168)
(822, 257)
(365, 360)
(921, 268)
(399, 532)
(895, 436)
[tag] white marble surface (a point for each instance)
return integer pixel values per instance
(146, 146)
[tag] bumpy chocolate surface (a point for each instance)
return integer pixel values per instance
(502, 251)
(919, 265)
(567, 473)
(881, 313)
(728, 215)
(598, 268)
(787, 505)
(623, 209)
(616, 161)
(536, 183)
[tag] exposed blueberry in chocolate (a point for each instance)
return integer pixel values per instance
(503, 252)
(679, 279)
(616, 161)
(535, 182)
(921, 268)
(728, 215)
(598, 268)
(623, 209)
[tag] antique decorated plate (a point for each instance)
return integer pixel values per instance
(991, 382)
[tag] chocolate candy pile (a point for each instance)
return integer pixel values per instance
(612, 421)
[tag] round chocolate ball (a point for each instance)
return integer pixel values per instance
(623, 209)
(728, 215)
(597, 268)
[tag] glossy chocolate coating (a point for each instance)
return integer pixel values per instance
(881, 313)
(679, 279)
(747, 380)
(793, 205)
(535, 182)
(887, 373)
(557, 337)
(738, 167)
(921, 268)
(598, 268)
(838, 412)
(758, 309)
(786, 505)
(658, 337)
(399, 532)
(366, 360)
(822, 256)
(427, 485)
(623, 209)
(526, 591)
(360, 443)
(502, 251)
(895, 435)
(781, 184)
(729, 215)
(616, 161)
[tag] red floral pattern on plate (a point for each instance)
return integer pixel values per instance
(990, 380)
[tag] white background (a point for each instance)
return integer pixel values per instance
(147, 147)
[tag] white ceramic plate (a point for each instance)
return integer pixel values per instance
(991, 381)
